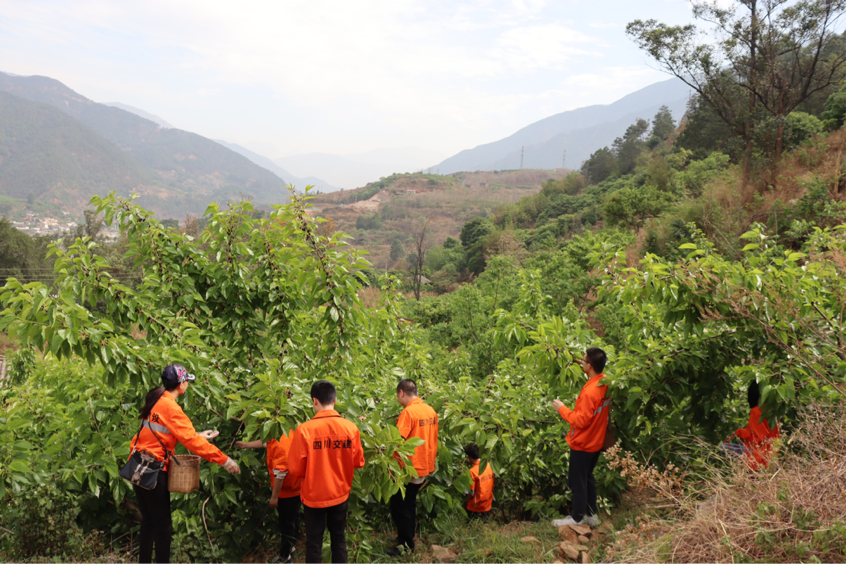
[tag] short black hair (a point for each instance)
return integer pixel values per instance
(324, 392)
(472, 450)
(408, 386)
(753, 394)
(596, 357)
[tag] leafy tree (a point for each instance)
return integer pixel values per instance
(663, 125)
(22, 256)
(835, 108)
(601, 164)
(369, 222)
(629, 147)
(397, 250)
(631, 207)
(771, 57)
(473, 235)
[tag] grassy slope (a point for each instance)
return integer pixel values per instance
(448, 201)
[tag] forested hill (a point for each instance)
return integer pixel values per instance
(579, 132)
(186, 162)
(53, 157)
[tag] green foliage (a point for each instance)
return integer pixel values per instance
(631, 207)
(472, 237)
(22, 256)
(397, 250)
(601, 164)
(663, 125)
(800, 126)
(372, 221)
(834, 111)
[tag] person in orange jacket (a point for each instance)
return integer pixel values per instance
(588, 422)
(416, 420)
(757, 437)
(285, 494)
(480, 498)
(163, 425)
(325, 452)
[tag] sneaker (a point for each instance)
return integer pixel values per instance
(279, 559)
(591, 520)
(567, 521)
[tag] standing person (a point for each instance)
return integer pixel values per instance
(325, 452)
(285, 493)
(164, 424)
(416, 420)
(757, 436)
(480, 498)
(588, 423)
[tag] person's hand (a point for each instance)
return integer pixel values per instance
(274, 501)
(240, 444)
(557, 404)
(232, 467)
(209, 435)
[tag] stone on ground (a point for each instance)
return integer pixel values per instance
(442, 554)
(581, 529)
(586, 558)
(530, 539)
(568, 551)
(567, 534)
(583, 539)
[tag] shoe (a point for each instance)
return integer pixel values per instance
(398, 550)
(567, 521)
(278, 559)
(591, 520)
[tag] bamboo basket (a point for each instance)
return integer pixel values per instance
(185, 476)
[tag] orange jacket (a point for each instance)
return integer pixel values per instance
(325, 451)
(758, 438)
(420, 420)
(277, 459)
(589, 420)
(172, 425)
(482, 489)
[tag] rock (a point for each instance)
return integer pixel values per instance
(441, 554)
(586, 559)
(583, 539)
(568, 551)
(568, 534)
(581, 529)
(530, 539)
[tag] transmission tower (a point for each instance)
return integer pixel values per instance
(521, 156)
(564, 159)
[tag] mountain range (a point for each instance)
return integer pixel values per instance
(579, 132)
(175, 171)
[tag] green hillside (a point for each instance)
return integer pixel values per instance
(184, 161)
(54, 158)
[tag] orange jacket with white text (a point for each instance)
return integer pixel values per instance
(325, 452)
(482, 489)
(277, 459)
(420, 420)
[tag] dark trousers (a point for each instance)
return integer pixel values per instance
(582, 483)
(156, 526)
(404, 512)
(289, 523)
(316, 521)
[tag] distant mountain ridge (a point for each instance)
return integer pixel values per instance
(265, 162)
(140, 112)
(185, 162)
(580, 132)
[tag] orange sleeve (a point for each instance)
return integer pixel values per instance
(182, 428)
(583, 416)
(405, 423)
(358, 455)
(298, 455)
(743, 434)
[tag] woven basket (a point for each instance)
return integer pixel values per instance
(185, 476)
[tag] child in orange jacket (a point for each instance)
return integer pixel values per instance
(480, 498)
(757, 437)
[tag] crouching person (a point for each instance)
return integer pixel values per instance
(588, 423)
(285, 493)
(325, 452)
(480, 498)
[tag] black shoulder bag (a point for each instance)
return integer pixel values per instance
(142, 469)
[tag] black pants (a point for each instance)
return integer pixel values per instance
(316, 520)
(404, 512)
(289, 523)
(156, 526)
(582, 483)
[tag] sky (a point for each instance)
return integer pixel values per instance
(289, 77)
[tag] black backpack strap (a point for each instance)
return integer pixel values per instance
(138, 434)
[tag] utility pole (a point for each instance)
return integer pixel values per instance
(521, 156)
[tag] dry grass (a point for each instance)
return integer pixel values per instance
(792, 511)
